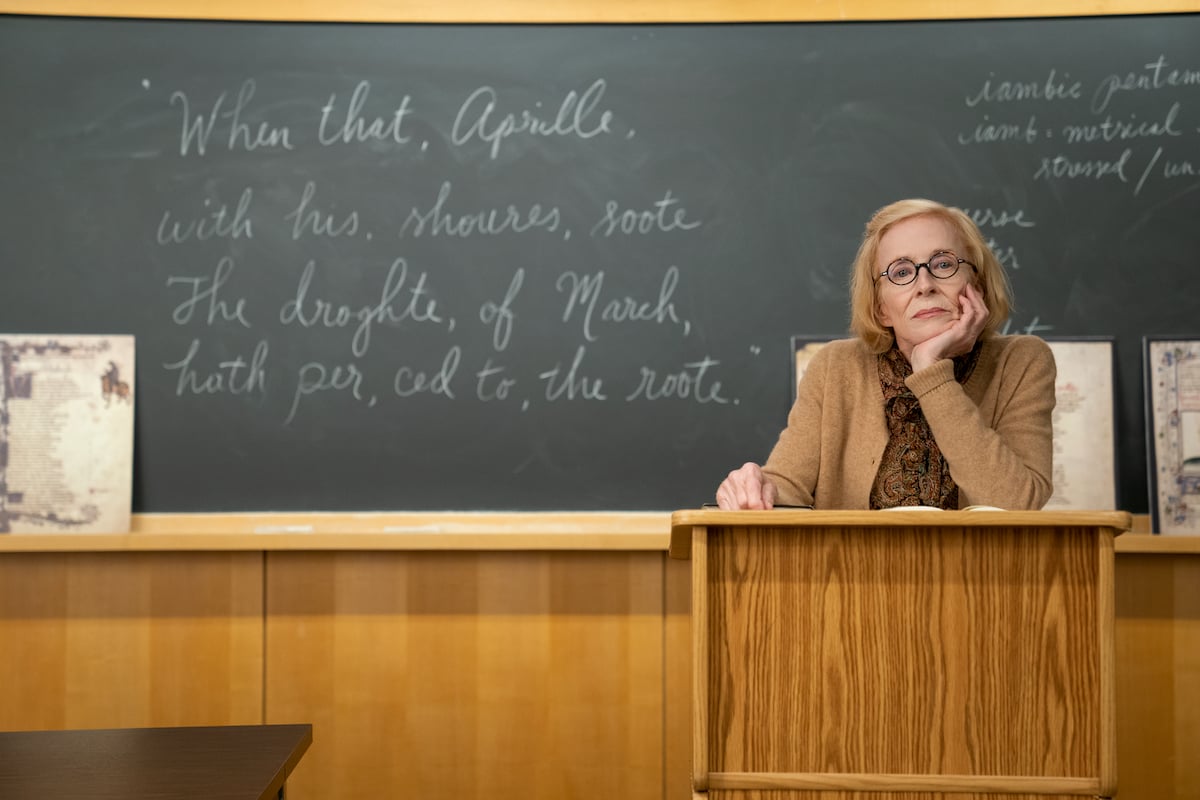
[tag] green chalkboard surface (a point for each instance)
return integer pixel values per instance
(487, 267)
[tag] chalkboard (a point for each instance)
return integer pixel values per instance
(489, 267)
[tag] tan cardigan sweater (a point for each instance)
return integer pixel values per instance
(994, 430)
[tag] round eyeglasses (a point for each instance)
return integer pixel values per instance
(941, 265)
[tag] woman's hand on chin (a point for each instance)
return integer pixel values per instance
(958, 337)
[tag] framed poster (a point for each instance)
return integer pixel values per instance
(803, 349)
(1172, 377)
(1085, 474)
(1085, 453)
(66, 433)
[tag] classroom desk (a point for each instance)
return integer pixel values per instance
(461, 655)
(248, 762)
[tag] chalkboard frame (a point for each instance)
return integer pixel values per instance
(593, 11)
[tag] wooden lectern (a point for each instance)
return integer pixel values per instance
(909, 654)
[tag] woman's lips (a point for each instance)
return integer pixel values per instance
(930, 312)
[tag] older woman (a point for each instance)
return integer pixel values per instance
(929, 405)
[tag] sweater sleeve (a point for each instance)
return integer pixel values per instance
(795, 461)
(1006, 462)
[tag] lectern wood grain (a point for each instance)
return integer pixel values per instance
(961, 674)
(931, 659)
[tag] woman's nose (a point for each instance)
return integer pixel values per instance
(924, 282)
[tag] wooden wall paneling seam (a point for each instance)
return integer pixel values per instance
(1105, 626)
(677, 693)
(700, 655)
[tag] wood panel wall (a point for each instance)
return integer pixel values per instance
(1158, 675)
(90, 640)
(468, 674)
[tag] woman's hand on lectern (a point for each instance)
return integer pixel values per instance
(746, 488)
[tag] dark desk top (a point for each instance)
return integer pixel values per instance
(240, 762)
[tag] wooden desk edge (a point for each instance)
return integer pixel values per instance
(578, 531)
(292, 761)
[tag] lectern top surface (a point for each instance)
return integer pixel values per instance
(683, 522)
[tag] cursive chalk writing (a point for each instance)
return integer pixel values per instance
(1007, 256)
(1155, 75)
(197, 129)
(408, 381)
(1032, 327)
(212, 224)
(993, 218)
(1051, 89)
(354, 127)
(500, 315)
(1180, 169)
(209, 289)
(988, 132)
(653, 220)
(585, 291)
(315, 377)
(233, 376)
(1061, 166)
(572, 384)
(323, 313)
(478, 118)
(1111, 130)
(437, 221)
(306, 220)
(686, 384)
(503, 385)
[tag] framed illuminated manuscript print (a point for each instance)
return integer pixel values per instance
(66, 433)
(1172, 377)
(1085, 453)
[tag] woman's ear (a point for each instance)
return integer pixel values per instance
(881, 315)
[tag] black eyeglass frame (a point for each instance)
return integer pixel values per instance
(917, 268)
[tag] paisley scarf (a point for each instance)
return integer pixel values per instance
(913, 471)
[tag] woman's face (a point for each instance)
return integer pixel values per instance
(924, 308)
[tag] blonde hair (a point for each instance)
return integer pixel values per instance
(989, 275)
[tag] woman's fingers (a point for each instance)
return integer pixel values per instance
(745, 488)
